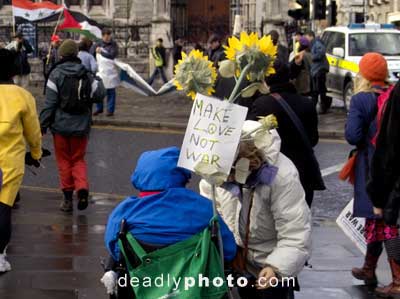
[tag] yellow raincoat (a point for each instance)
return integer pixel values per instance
(18, 122)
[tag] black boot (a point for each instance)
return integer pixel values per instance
(83, 197)
(66, 205)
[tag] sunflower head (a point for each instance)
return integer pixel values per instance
(195, 74)
(251, 50)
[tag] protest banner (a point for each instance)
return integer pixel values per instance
(353, 227)
(213, 134)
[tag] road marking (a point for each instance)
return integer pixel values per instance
(144, 130)
(55, 190)
(331, 170)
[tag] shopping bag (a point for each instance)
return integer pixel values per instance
(353, 227)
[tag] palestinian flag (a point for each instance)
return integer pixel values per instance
(35, 11)
(79, 23)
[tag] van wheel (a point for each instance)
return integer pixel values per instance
(347, 94)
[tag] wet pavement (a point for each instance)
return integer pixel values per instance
(58, 256)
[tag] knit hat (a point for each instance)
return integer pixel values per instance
(55, 38)
(374, 68)
(68, 48)
(304, 42)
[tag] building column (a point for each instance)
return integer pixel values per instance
(161, 28)
(276, 16)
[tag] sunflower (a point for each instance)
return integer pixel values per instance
(258, 55)
(195, 74)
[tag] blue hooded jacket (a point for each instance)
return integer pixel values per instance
(168, 217)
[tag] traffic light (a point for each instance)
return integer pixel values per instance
(300, 10)
(319, 9)
(332, 13)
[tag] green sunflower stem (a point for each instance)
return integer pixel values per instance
(234, 95)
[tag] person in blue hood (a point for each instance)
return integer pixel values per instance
(165, 212)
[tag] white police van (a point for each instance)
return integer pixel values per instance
(345, 47)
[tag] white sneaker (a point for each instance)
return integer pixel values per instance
(4, 264)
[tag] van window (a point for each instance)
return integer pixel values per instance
(387, 44)
(336, 40)
(326, 36)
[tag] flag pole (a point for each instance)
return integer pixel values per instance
(13, 21)
(13, 24)
(54, 32)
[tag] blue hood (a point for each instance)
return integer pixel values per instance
(158, 171)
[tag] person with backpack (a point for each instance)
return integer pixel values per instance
(70, 92)
(158, 217)
(361, 128)
(19, 127)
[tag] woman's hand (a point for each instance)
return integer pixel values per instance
(298, 59)
(265, 277)
(378, 212)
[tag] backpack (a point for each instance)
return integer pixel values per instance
(382, 101)
(75, 93)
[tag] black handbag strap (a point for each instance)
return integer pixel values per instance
(295, 119)
(318, 181)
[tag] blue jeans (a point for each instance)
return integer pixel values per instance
(158, 71)
(111, 96)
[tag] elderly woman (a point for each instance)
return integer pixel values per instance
(18, 123)
(268, 215)
(361, 128)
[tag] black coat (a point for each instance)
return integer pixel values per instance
(292, 147)
(21, 63)
(384, 183)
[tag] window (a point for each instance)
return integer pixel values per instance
(72, 2)
(325, 38)
(336, 40)
(5, 2)
(388, 44)
(95, 2)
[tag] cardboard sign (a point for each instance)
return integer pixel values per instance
(353, 227)
(213, 134)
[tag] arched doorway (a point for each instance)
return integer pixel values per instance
(196, 20)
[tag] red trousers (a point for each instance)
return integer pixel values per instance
(70, 156)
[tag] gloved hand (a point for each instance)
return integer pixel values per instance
(45, 153)
(109, 280)
(30, 161)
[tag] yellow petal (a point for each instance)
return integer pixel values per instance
(245, 39)
(192, 94)
(253, 39)
(267, 46)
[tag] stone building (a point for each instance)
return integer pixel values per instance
(138, 23)
(378, 11)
